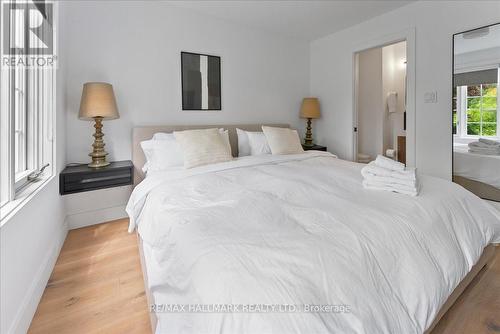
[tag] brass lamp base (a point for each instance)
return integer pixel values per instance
(98, 154)
(308, 141)
(98, 163)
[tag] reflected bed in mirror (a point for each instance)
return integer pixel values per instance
(475, 104)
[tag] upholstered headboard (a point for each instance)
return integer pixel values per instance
(146, 132)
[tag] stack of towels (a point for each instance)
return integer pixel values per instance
(386, 174)
(485, 146)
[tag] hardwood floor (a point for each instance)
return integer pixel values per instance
(477, 310)
(97, 287)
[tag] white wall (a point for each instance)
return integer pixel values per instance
(370, 103)
(136, 46)
(30, 241)
(435, 23)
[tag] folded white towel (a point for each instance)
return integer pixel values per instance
(489, 142)
(412, 191)
(478, 144)
(385, 162)
(392, 101)
(389, 180)
(373, 169)
(402, 180)
(393, 185)
(485, 151)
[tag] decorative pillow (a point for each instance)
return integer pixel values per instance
(258, 143)
(170, 136)
(161, 154)
(202, 147)
(163, 136)
(225, 136)
(283, 140)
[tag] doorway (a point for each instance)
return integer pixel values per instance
(381, 102)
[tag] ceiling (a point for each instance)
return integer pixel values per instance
(488, 41)
(303, 19)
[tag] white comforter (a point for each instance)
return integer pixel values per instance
(296, 230)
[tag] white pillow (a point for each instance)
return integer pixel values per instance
(203, 147)
(283, 140)
(258, 143)
(170, 136)
(243, 143)
(161, 154)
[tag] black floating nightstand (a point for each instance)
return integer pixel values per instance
(75, 179)
(314, 147)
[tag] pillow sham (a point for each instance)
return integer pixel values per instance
(203, 147)
(225, 136)
(258, 143)
(163, 136)
(161, 154)
(282, 140)
(170, 136)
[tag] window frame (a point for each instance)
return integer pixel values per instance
(39, 104)
(29, 132)
(461, 105)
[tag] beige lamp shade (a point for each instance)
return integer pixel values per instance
(310, 108)
(98, 100)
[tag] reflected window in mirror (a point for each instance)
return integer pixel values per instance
(475, 111)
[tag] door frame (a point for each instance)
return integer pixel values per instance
(407, 35)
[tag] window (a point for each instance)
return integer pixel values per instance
(475, 110)
(27, 104)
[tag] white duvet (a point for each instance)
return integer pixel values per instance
(300, 230)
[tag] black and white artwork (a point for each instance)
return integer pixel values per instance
(201, 82)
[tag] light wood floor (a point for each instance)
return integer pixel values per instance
(97, 287)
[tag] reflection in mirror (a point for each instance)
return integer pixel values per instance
(475, 108)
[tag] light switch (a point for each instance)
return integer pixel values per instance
(431, 97)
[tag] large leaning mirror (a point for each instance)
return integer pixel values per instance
(476, 113)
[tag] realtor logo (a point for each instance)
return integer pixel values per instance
(28, 34)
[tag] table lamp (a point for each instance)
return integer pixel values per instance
(309, 110)
(98, 103)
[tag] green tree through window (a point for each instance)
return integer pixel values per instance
(481, 109)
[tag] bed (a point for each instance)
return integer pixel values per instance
(294, 244)
(478, 173)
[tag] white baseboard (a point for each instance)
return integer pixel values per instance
(28, 307)
(93, 217)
